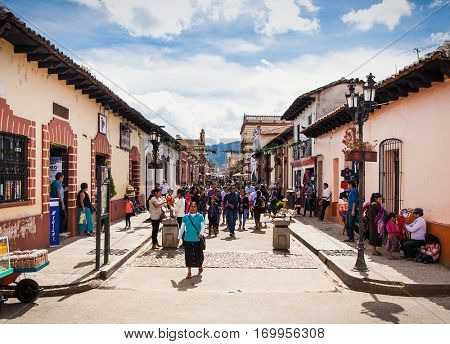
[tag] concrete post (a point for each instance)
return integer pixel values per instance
(281, 235)
(170, 233)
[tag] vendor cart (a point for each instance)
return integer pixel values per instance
(26, 290)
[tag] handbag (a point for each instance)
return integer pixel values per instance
(82, 220)
(203, 239)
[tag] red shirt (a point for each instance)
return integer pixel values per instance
(128, 207)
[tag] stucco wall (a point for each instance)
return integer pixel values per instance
(421, 122)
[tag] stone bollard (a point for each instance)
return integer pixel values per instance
(170, 233)
(281, 235)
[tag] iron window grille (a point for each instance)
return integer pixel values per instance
(13, 168)
(391, 174)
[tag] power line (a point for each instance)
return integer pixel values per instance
(397, 39)
(96, 70)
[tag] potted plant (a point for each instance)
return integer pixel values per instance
(357, 150)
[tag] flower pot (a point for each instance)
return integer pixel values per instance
(361, 156)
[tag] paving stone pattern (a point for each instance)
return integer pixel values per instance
(243, 260)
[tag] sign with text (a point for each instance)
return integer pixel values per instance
(55, 167)
(54, 221)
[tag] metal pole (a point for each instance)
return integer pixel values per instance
(360, 261)
(98, 232)
(107, 229)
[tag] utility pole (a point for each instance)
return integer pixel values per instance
(417, 52)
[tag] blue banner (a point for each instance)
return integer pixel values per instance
(54, 221)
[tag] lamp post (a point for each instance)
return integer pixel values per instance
(155, 139)
(360, 106)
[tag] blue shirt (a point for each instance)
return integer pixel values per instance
(191, 232)
(352, 199)
(54, 187)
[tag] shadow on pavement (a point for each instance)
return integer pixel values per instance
(15, 310)
(230, 238)
(382, 310)
(186, 284)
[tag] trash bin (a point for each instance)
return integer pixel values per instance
(170, 233)
(281, 234)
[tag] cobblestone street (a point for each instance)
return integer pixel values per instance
(244, 281)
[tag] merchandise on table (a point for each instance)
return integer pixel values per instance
(28, 259)
(4, 254)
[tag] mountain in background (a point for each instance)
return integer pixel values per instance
(220, 158)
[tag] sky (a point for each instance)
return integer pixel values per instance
(192, 64)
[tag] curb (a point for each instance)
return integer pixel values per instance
(368, 285)
(84, 286)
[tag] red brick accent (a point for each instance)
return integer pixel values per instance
(135, 169)
(99, 145)
(20, 126)
(60, 132)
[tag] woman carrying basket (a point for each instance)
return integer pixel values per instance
(193, 228)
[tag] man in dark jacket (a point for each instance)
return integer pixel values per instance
(232, 203)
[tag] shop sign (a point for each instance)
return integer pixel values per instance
(102, 124)
(125, 141)
(55, 167)
(54, 221)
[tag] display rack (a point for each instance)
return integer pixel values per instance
(5, 264)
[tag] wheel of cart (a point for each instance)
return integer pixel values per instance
(26, 290)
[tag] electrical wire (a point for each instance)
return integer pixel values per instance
(86, 64)
(398, 39)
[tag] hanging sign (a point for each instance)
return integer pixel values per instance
(55, 167)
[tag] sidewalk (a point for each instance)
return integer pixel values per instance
(392, 277)
(72, 264)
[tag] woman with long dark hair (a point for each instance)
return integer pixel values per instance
(193, 229)
(85, 211)
(155, 207)
(375, 214)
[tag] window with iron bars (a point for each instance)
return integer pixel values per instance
(13, 168)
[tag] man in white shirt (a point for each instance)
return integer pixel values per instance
(325, 202)
(418, 230)
(164, 188)
(249, 189)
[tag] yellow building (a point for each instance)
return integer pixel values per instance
(55, 116)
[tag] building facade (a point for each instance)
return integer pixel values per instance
(410, 131)
(56, 117)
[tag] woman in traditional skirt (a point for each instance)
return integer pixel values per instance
(193, 228)
(85, 207)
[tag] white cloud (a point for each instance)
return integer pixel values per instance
(439, 37)
(387, 13)
(236, 46)
(284, 16)
(169, 18)
(207, 91)
(437, 3)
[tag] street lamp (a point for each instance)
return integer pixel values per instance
(360, 106)
(155, 139)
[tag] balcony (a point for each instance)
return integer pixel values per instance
(303, 151)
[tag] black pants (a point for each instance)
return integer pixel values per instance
(62, 219)
(128, 220)
(410, 247)
(155, 229)
(323, 208)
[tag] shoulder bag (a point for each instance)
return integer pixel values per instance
(202, 240)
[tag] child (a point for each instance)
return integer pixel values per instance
(430, 252)
(213, 216)
(392, 244)
(128, 211)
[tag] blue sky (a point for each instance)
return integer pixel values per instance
(203, 63)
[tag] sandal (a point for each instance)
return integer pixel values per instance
(189, 276)
(376, 253)
(200, 270)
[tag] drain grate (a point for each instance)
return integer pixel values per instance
(112, 252)
(339, 252)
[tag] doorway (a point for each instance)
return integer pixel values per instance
(59, 162)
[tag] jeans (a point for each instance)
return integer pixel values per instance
(244, 217)
(308, 206)
(324, 207)
(232, 216)
(155, 230)
(350, 225)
